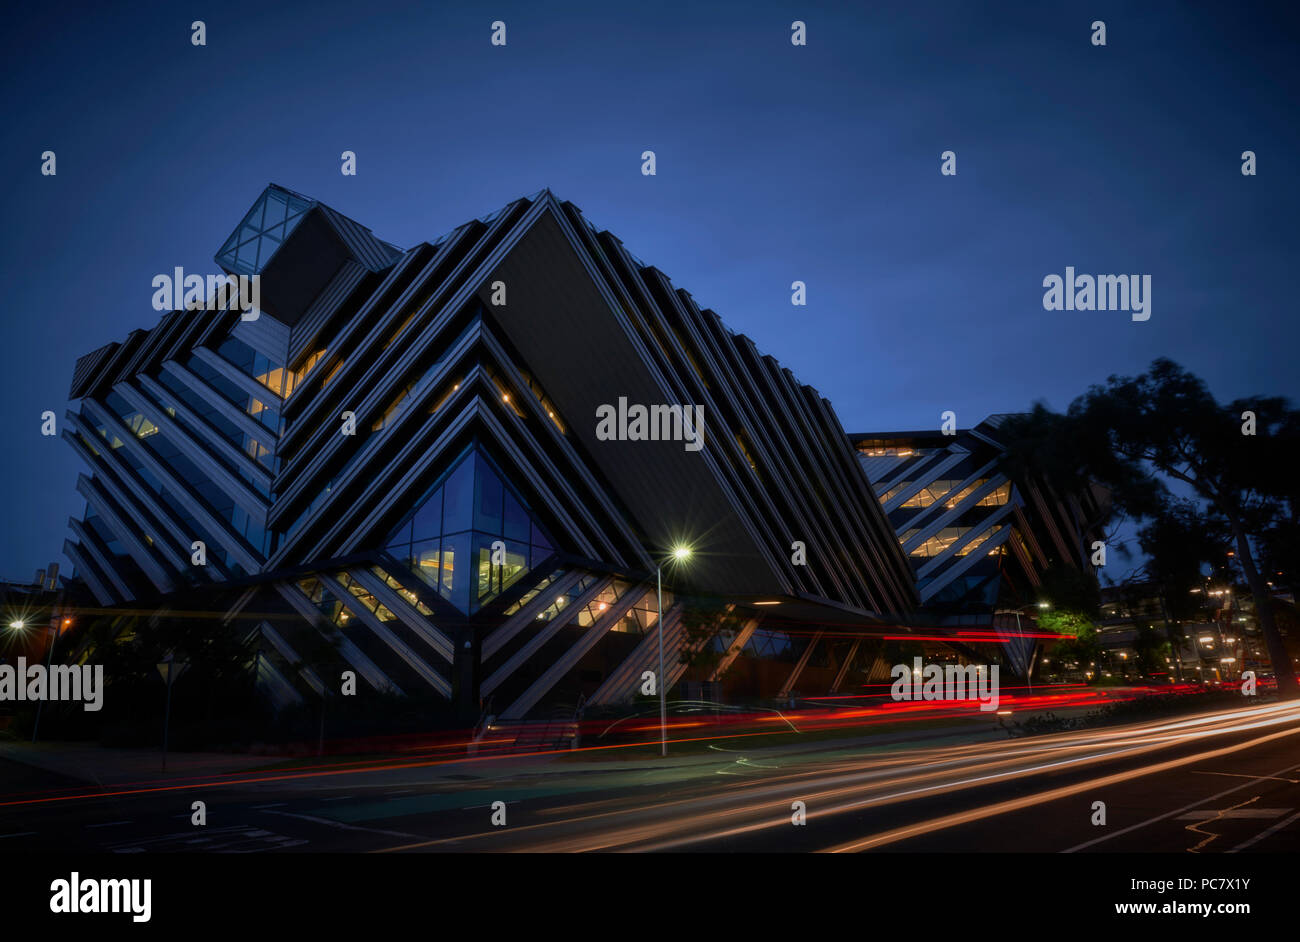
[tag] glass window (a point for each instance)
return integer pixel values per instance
(428, 519)
(488, 498)
(456, 575)
(424, 561)
(456, 527)
(458, 499)
(267, 224)
(516, 523)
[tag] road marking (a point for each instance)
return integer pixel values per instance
(1210, 836)
(1170, 814)
(1265, 813)
(341, 826)
(343, 798)
(276, 804)
(1253, 778)
(110, 824)
(234, 839)
(1263, 834)
(512, 801)
(19, 834)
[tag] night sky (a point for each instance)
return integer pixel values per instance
(775, 163)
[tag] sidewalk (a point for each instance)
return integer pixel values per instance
(105, 766)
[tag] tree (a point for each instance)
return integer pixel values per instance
(1161, 438)
(1073, 597)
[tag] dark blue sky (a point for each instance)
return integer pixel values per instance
(775, 163)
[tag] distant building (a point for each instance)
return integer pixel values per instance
(978, 542)
(1217, 642)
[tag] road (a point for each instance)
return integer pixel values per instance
(1221, 782)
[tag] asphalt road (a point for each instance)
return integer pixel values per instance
(1223, 782)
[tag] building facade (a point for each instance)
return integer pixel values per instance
(979, 541)
(455, 470)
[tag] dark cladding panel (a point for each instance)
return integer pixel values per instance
(579, 351)
(301, 268)
(87, 371)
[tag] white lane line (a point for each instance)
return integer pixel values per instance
(341, 798)
(274, 804)
(110, 824)
(1263, 834)
(19, 834)
(1170, 814)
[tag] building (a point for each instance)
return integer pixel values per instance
(979, 542)
(400, 467)
(1211, 638)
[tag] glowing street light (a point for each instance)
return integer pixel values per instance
(680, 555)
(17, 625)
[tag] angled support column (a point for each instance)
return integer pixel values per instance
(622, 683)
(798, 668)
(569, 659)
(844, 668)
(737, 645)
(547, 632)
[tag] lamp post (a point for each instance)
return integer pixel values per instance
(54, 632)
(680, 554)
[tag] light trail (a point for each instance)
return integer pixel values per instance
(714, 812)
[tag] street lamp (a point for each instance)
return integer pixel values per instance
(17, 625)
(680, 555)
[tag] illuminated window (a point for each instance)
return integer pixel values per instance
(930, 494)
(334, 371)
(940, 542)
(298, 375)
(998, 497)
(884, 448)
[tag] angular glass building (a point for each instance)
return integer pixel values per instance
(397, 468)
(978, 541)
